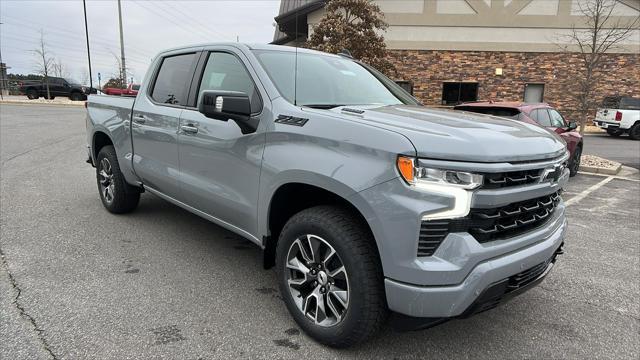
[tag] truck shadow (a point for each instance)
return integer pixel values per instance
(490, 334)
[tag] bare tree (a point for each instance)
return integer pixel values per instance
(122, 72)
(602, 32)
(58, 69)
(45, 62)
(84, 78)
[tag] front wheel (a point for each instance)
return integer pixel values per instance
(75, 96)
(634, 132)
(574, 164)
(116, 194)
(330, 276)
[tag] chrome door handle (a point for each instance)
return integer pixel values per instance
(189, 129)
(139, 119)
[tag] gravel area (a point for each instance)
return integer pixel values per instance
(596, 161)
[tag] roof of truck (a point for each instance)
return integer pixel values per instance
(247, 46)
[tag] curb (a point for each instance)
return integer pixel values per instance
(600, 170)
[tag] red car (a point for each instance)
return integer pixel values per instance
(131, 90)
(540, 114)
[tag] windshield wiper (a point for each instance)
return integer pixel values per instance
(323, 106)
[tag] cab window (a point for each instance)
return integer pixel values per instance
(225, 72)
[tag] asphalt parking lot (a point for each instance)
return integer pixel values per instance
(77, 282)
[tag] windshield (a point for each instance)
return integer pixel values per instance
(72, 81)
(327, 81)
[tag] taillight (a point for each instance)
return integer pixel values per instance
(618, 116)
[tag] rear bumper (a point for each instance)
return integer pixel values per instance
(487, 280)
(606, 125)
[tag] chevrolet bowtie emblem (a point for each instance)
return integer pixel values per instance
(552, 174)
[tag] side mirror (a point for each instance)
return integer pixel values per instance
(572, 126)
(225, 105)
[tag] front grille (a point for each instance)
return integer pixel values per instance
(490, 224)
(511, 178)
(510, 220)
(431, 235)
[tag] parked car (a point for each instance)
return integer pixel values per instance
(131, 90)
(539, 113)
(619, 115)
(364, 201)
(57, 87)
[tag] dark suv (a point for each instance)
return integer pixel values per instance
(57, 87)
(535, 113)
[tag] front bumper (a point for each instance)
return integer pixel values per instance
(458, 300)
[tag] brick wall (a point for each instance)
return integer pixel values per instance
(429, 69)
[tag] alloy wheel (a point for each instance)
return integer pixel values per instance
(106, 180)
(317, 280)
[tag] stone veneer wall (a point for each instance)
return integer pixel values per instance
(428, 69)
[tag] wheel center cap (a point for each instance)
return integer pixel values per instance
(322, 278)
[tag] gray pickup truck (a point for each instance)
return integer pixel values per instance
(369, 205)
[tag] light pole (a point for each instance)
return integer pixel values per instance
(124, 67)
(86, 31)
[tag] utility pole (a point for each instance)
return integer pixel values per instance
(124, 67)
(2, 71)
(86, 31)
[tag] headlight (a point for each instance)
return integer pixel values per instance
(448, 183)
(415, 175)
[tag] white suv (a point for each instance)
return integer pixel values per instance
(619, 115)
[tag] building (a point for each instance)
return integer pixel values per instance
(451, 51)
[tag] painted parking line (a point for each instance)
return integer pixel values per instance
(588, 191)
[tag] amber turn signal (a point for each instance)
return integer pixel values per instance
(405, 166)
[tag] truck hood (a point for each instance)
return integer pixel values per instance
(458, 135)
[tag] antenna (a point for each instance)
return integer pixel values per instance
(295, 72)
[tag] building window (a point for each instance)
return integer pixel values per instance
(406, 85)
(533, 93)
(459, 92)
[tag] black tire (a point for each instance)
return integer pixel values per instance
(634, 132)
(356, 250)
(574, 164)
(121, 197)
(32, 94)
(615, 132)
(75, 96)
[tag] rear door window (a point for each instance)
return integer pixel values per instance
(172, 82)
(541, 116)
(556, 119)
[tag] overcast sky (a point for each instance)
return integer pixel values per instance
(149, 26)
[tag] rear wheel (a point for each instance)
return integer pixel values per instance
(330, 276)
(116, 194)
(634, 132)
(615, 132)
(574, 164)
(32, 94)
